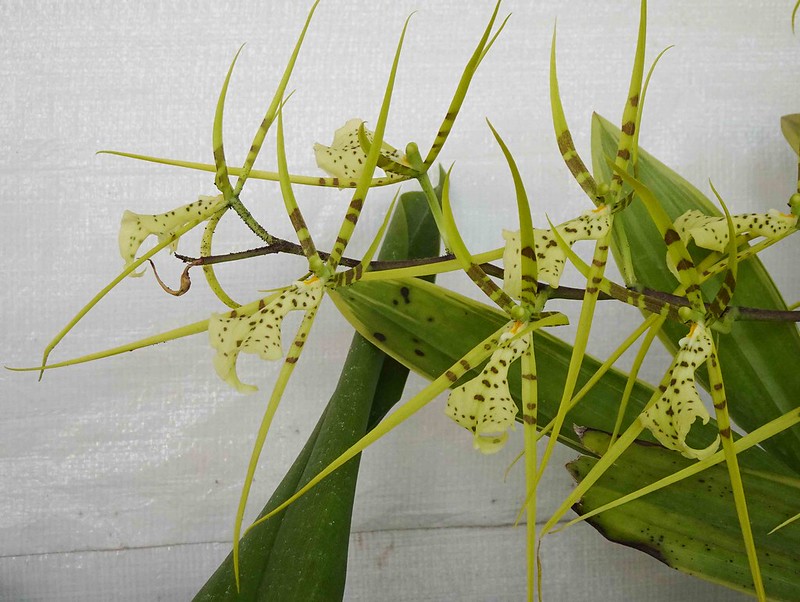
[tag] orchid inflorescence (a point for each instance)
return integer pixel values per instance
(534, 259)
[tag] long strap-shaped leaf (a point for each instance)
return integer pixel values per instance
(269, 562)
(758, 436)
(760, 381)
(614, 452)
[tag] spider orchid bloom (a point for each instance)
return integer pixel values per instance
(135, 227)
(256, 328)
(346, 157)
(484, 404)
(550, 258)
(672, 416)
(711, 233)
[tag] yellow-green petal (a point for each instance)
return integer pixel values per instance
(550, 258)
(484, 405)
(674, 413)
(345, 158)
(257, 331)
(135, 227)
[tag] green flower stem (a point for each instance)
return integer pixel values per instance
(412, 153)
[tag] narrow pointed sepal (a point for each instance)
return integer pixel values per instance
(257, 329)
(672, 416)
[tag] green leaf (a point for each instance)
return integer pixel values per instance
(758, 358)
(301, 554)
(790, 126)
(692, 525)
(428, 328)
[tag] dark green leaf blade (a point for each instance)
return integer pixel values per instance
(691, 525)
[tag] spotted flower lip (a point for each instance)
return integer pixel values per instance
(135, 227)
(345, 157)
(484, 405)
(550, 258)
(710, 232)
(672, 416)
(256, 329)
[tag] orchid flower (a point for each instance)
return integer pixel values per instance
(258, 331)
(346, 157)
(135, 227)
(676, 405)
(672, 415)
(710, 232)
(607, 197)
(593, 224)
(484, 404)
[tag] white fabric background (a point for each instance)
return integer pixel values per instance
(119, 479)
